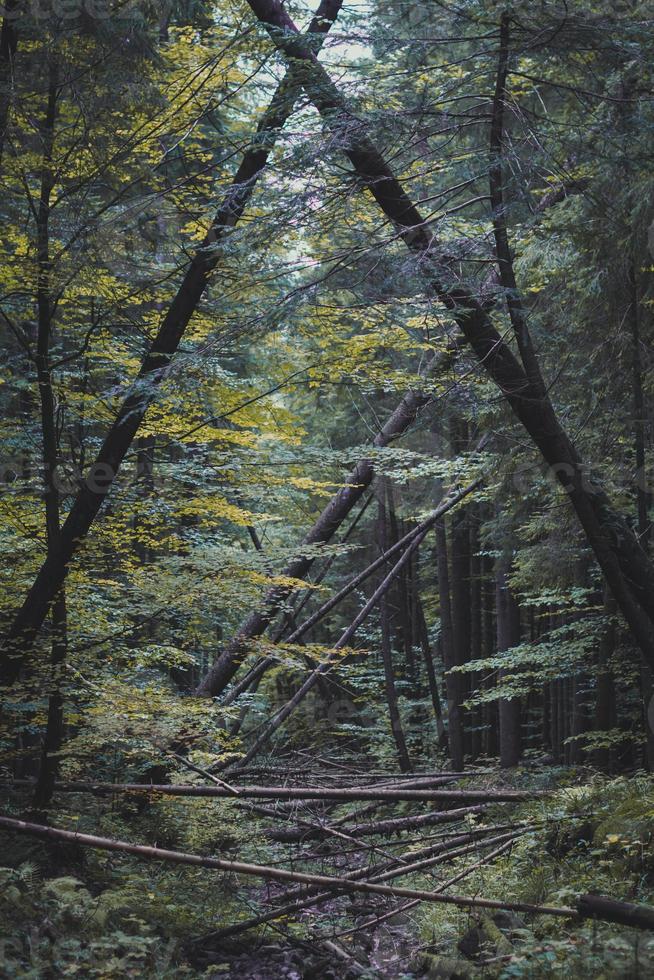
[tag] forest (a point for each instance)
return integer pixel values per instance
(326, 402)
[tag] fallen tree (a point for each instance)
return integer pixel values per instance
(587, 906)
(272, 874)
(348, 635)
(393, 825)
(294, 792)
(406, 542)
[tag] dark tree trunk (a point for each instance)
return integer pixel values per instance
(643, 496)
(476, 719)
(605, 708)
(453, 685)
(508, 636)
(431, 675)
(8, 46)
(460, 581)
(387, 656)
(489, 710)
(50, 448)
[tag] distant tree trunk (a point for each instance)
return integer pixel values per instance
(410, 621)
(580, 717)
(8, 45)
(489, 711)
(453, 684)
(605, 708)
(643, 496)
(508, 636)
(403, 589)
(555, 739)
(476, 719)
(580, 713)
(387, 657)
(431, 674)
(460, 581)
(145, 447)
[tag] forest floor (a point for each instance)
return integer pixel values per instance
(72, 911)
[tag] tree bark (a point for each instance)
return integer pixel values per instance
(475, 716)
(460, 597)
(605, 708)
(489, 639)
(643, 496)
(431, 676)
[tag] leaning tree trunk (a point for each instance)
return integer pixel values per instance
(624, 564)
(104, 470)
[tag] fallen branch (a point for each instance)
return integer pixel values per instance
(299, 900)
(296, 792)
(394, 825)
(450, 501)
(260, 668)
(371, 923)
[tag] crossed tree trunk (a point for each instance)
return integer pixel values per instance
(626, 567)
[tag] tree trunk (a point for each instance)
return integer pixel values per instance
(489, 640)
(508, 636)
(50, 448)
(431, 675)
(8, 45)
(643, 496)
(387, 654)
(475, 716)
(605, 708)
(387, 657)
(453, 685)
